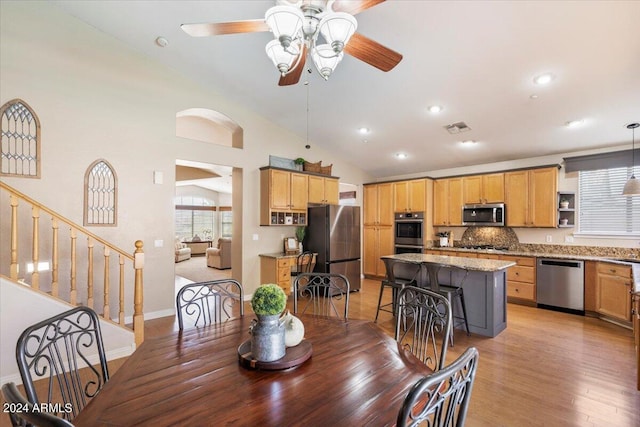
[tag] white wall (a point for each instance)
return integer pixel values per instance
(96, 98)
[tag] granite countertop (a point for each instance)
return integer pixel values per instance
(474, 264)
(279, 255)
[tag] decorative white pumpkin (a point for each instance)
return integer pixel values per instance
(293, 330)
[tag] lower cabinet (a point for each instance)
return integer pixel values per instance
(521, 279)
(613, 291)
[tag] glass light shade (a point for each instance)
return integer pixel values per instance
(337, 28)
(281, 58)
(284, 21)
(325, 59)
(632, 187)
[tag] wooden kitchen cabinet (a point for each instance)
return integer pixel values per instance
(521, 279)
(636, 334)
(487, 188)
(447, 202)
(613, 292)
(377, 227)
(323, 190)
(283, 197)
(530, 197)
(410, 196)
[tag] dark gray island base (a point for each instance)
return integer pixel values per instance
(484, 282)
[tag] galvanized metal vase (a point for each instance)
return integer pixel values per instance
(267, 338)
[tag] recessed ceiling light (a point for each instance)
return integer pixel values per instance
(365, 140)
(435, 109)
(401, 156)
(573, 123)
(543, 79)
(468, 142)
(533, 96)
(364, 131)
(162, 42)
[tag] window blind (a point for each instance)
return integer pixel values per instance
(603, 209)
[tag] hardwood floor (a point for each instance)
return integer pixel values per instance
(547, 368)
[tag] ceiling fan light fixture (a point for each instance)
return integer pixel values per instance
(632, 186)
(282, 58)
(337, 28)
(325, 59)
(285, 23)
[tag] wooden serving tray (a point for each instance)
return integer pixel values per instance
(293, 357)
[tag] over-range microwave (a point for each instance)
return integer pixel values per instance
(486, 215)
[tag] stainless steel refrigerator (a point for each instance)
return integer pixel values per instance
(333, 231)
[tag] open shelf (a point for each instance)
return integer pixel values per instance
(566, 209)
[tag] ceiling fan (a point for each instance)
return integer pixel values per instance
(297, 25)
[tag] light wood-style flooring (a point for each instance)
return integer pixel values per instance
(546, 369)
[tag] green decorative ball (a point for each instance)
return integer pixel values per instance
(268, 299)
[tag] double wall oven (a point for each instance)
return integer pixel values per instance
(409, 232)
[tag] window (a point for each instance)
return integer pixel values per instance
(226, 221)
(194, 215)
(20, 140)
(100, 194)
(603, 210)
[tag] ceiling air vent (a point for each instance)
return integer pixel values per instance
(457, 128)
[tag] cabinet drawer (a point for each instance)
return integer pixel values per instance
(521, 290)
(284, 274)
(521, 274)
(285, 262)
(614, 270)
(524, 261)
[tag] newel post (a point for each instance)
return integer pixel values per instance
(138, 315)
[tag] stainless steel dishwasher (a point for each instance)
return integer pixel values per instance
(560, 284)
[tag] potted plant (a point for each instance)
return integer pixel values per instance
(299, 163)
(301, 231)
(268, 332)
(564, 203)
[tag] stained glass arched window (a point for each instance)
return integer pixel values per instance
(20, 140)
(100, 194)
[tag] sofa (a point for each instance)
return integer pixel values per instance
(183, 252)
(220, 257)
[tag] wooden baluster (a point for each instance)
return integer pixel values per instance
(54, 258)
(89, 272)
(138, 315)
(13, 271)
(73, 294)
(121, 296)
(106, 284)
(35, 276)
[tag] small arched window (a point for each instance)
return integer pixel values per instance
(100, 194)
(20, 140)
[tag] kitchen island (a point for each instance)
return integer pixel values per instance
(483, 282)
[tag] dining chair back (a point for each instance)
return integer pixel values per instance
(442, 398)
(398, 275)
(204, 303)
(66, 353)
(23, 413)
(325, 294)
(423, 325)
(304, 263)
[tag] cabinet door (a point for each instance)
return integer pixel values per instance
(401, 196)
(280, 189)
(299, 191)
(493, 188)
(517, 198)
(385, 247)
(370, 204)
(543, 187)
(455, 201)
(417, 195)
(440, 202)
(613, 297)
(331, 191)
(472, 189)
(385, 204)
(369, 256)
(316, 189)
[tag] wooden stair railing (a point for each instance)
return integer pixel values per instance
(68, 290)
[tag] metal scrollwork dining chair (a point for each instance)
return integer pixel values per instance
(423, 325)
(23, 413)
(325, 294)
(61, 351)
(442, 398)
(209, 302)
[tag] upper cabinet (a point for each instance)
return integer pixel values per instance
(378, 208)
(480, 189)
(447, 202)
(531, 197)
(323, 190)
(410, 196)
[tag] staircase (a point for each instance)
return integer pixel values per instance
(46, 252)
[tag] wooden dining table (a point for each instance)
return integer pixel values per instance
(357, 376)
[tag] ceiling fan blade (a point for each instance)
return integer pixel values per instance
(234, 27)
(293, 77)
(353, 7)
(372, 52)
